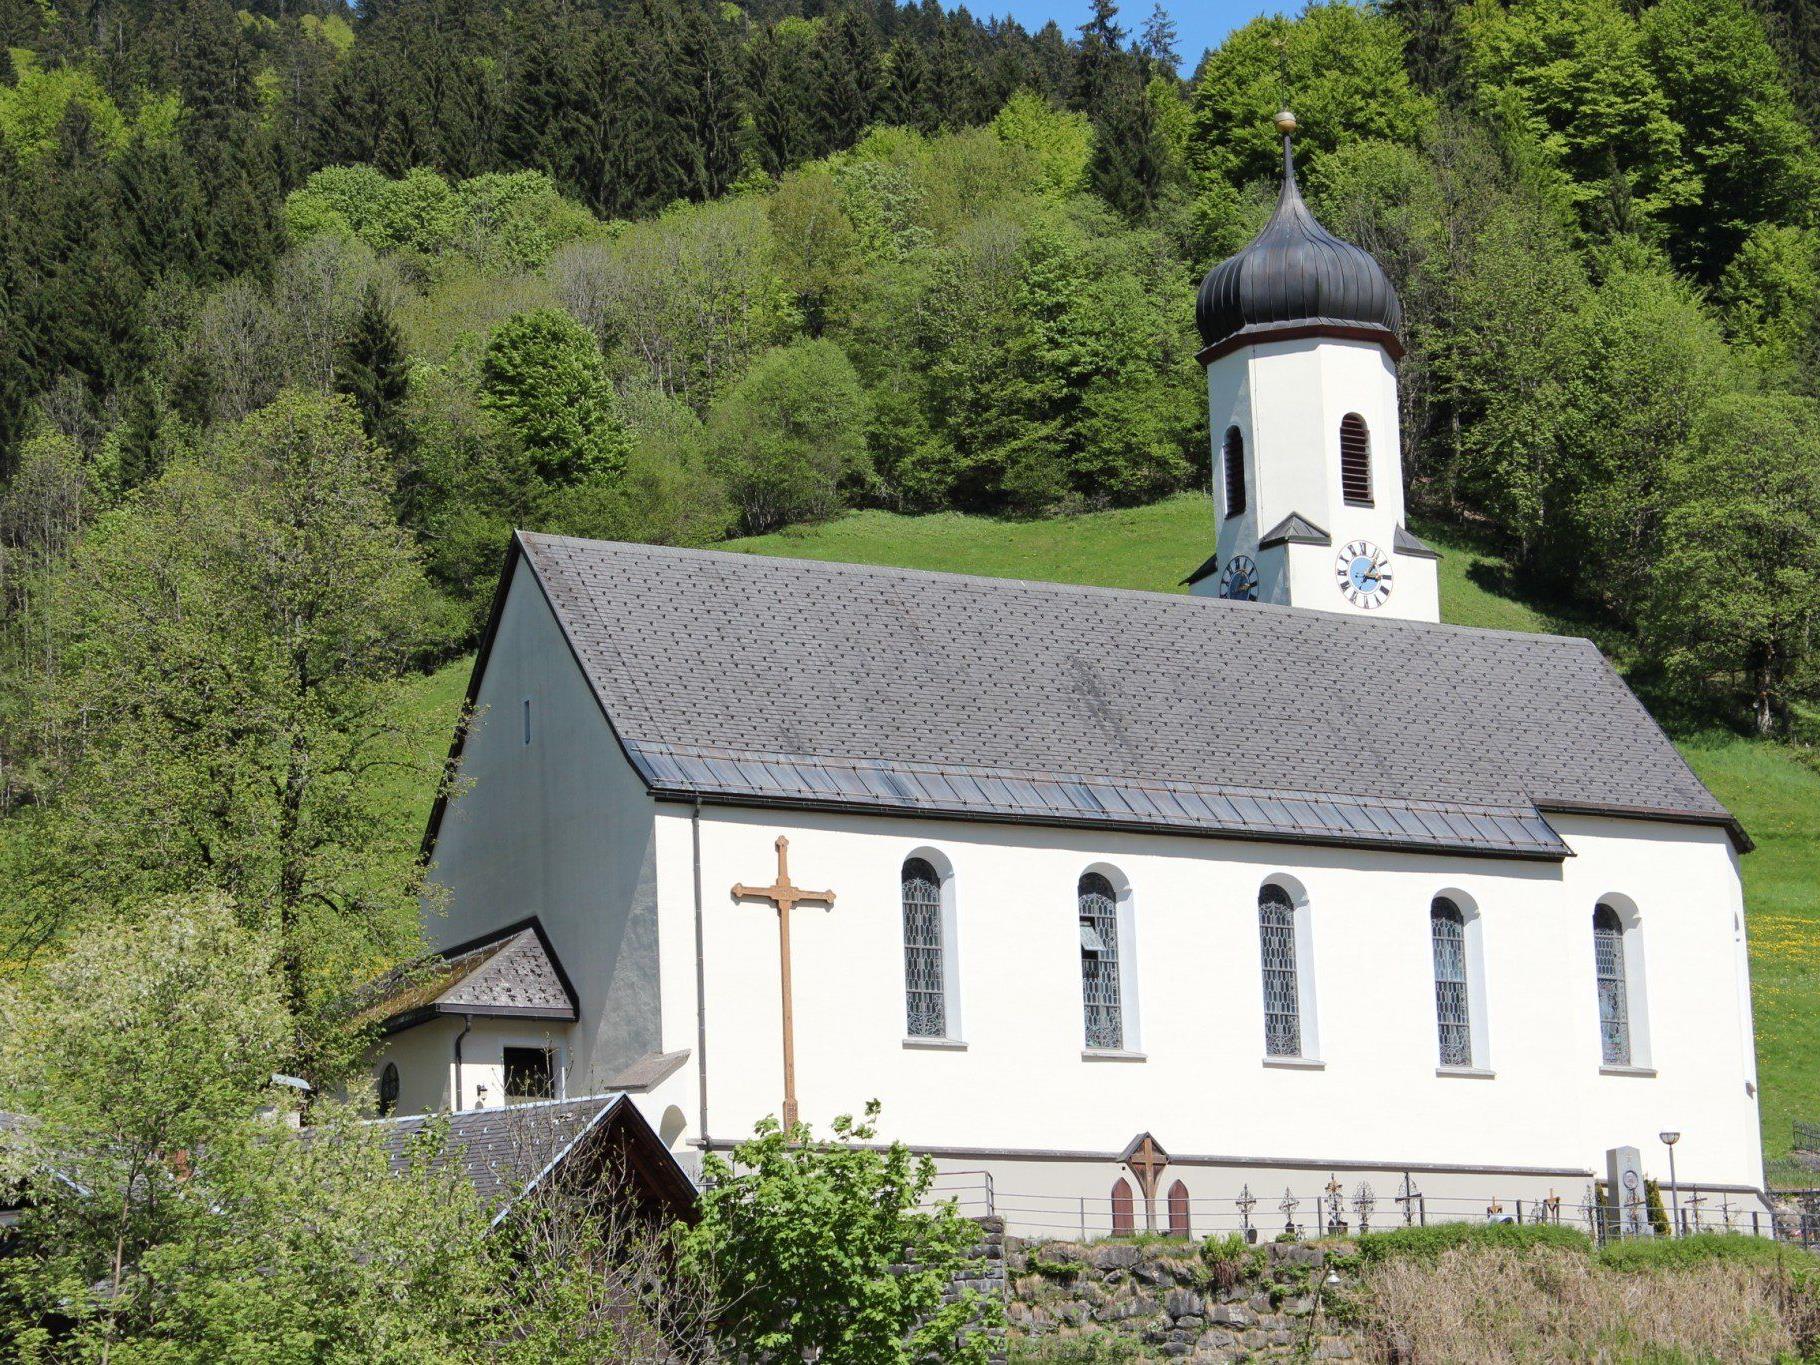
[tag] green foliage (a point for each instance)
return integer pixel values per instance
(1339, 65)
(821, 1253)
(499, 220)
(1429, 1243)
(543, 377)
(1570, 79)
(1771, 297)
(1741, 131)
(1644, 1254)
(790, 434)
(228, 637)
(38, 101)
(169, 1219)
(1061, 142)
(1100, 1347)
(1735, 606)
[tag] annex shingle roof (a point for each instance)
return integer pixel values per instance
(512, 973)
(777, 681)
(505, 1152)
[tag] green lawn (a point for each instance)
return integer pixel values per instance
(1775, 794)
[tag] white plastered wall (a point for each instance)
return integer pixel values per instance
(560, 828)
(1021, 1084)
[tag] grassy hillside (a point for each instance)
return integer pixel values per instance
(1776, 795)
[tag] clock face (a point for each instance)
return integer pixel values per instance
(1363, 573)
(1240, 581)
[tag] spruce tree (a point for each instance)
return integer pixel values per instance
(1096, 61)
(1160, 39)
(774, 94)
(371, 369)
(848, 81)
(704, 85)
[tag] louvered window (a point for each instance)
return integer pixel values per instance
(1453, 1017)
(1282, 992)
(1234, 456)
(1099, 914)
(1355, 460)
(1614, 991)
(924, 993)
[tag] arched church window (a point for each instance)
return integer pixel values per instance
(1355, 460)
(1178, 1211)
(1123, 1224)
(1099, 915)
(925, 998)
(388, 1089)
(1453, 1013)
(1233, 453)
(1614, 990)
(1282, 992)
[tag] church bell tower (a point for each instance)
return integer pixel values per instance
(1301, 345)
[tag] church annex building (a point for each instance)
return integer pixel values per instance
(1281, 874)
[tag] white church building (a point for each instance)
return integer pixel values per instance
(1305, 887)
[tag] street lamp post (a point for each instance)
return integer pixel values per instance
(1674, 1194)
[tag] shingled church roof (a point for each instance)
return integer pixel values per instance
(776, 682)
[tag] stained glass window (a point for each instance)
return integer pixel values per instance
(1282, 993)
(924, 990)
(1453, 1017)
(1614, 992)
(1099, 913)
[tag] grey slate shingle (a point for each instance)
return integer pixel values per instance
(766, 680)
(512, 972)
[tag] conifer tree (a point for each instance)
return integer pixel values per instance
(1101, 51)
(370, 368)
(1160, 40)
(704, 85)
(775, 85)
(848, 81)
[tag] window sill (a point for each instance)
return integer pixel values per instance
(937, 1044)
(1471, 1073)
(1110, 1054)
(1297, 1063)
(1647, 1072)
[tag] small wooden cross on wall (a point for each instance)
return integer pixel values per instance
(1147, 1160)
(785, 896)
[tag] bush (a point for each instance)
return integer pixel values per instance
(1429, 1243)
(1660, 1253)
(1229, 1258)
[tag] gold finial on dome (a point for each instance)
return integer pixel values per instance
(1285, 122)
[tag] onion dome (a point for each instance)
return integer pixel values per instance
(1296, 277)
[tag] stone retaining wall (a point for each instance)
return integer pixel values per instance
(1169, 1303)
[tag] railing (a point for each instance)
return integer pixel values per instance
(1335, 1211)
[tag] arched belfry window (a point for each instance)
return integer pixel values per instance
(1100, 1000)
(1453, 1009)
(1614, 988)
(1282, 990)
(1355, 460)
(925, 973)
(1233, 454)
(388, 1089)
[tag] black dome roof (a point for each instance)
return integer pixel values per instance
(1295, 273)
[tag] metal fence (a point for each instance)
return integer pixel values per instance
(1338, 1209)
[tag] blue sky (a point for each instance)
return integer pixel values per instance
(1202, 23)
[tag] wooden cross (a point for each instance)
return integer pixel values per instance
(1147, 1161)
(785, 896)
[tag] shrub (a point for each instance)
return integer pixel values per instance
(1660, 1253)
(1229, 1258)
(1429, 1243)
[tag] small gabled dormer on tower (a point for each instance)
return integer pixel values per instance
(1301, 344)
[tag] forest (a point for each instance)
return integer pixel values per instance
(304, 306)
